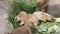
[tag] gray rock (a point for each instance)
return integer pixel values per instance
(4, 27)
(54, 8)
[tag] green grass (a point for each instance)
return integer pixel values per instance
(16, 7)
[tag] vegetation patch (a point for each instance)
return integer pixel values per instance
(30, 7)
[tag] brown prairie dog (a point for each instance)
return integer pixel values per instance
(43, 16)
(41, 5)
(25, 29)
(21, 16)
(24, 17)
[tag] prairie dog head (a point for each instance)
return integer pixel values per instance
(21, 16)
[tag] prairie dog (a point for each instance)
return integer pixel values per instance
(41, 5)
(21, 16)
(43, 16)
(25, 29)
(24, 17)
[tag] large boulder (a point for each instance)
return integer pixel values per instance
(54, 8)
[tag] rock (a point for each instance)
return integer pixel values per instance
(54, 8)
(3, 21)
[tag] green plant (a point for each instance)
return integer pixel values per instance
(16, 7)
(50, 27)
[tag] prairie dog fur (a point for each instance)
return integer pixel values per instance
(43, 16)
(25, 29)
(41, 5)
(24, 17)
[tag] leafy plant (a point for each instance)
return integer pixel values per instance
(49, 27)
